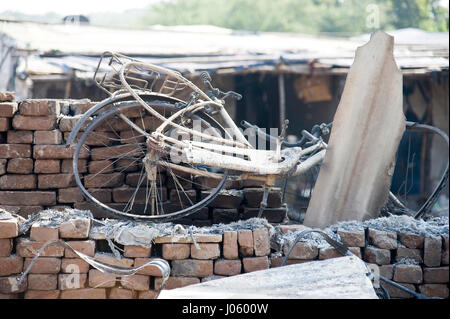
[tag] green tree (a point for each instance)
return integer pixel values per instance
(306, 16)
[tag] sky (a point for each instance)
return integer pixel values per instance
(72, 7)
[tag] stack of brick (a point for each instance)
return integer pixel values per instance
(59, 273)
(417, 262)
(36, 169)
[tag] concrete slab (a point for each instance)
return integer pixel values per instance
(337, 278)
(356, 173)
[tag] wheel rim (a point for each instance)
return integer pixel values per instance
(129, 187)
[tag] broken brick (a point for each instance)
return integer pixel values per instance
(227, 267)
(383, 239)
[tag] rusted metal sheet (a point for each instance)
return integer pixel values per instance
(355, 177)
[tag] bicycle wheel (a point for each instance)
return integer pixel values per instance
(113, 169)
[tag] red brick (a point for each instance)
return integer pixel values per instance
(7, 109)
(42, 294)
(43, 265)
(75, 228)
(147, 294)
(20, 137)
(70, 195)
(15, 150)
(207, 238)
(47, 166)
(97, 139)
(27, 248)
(387, 271)
(86, 293)
(71, 281)
(10, 284)
(302, 250)
(110, 259)
(409, 253)
(136, 251)
(136, 282)
(37, 107)
(205, 251)
(19, 182)
(66, 166)
(105, 166)
(42, 281)
(383, 239)
(435, 275)
(253, 197)
(176, 282)
(103, 180)
(121, 293)
(20, 165)
(411, 240)
(86, 247)
(31, 198)
(74, 265)
(102, 194)
(245, 241)
(255, 263)
(102, 153)
(48, 137)
(47, 181)
(230, 246)
(34, 123)
(227, 267)
(6, 246)
(97, 279)
(432, 251)
(56, 152)
(81, 106)
(377, 256)
(192, 268)
(261, 242)
(147, 270)
(4, 124)
(408, 274)
(123, 194)
(67, 123)
(9, 228)
(434, 290)
(10, 265)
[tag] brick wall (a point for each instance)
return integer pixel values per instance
(213, 256)
(36, 167)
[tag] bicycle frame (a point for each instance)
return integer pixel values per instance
(216, 151)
